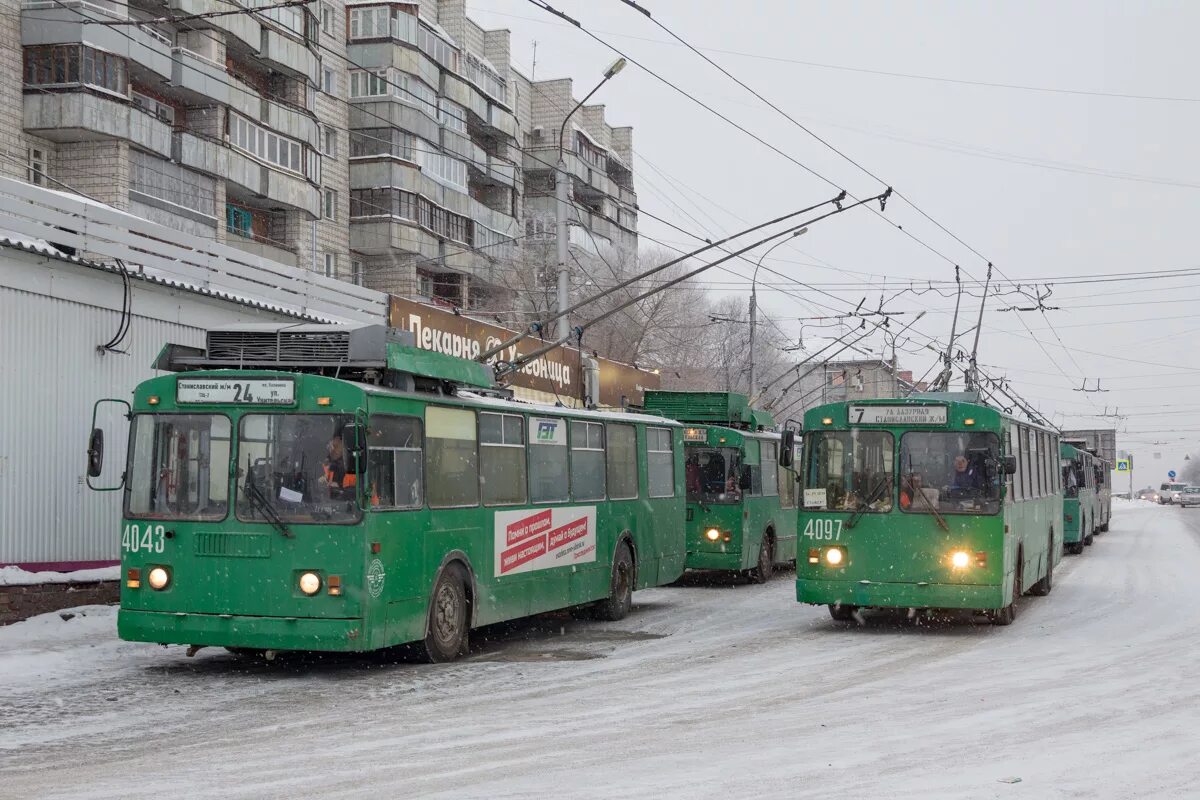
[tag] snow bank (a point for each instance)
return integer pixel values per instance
(44, 630)
(15, 576)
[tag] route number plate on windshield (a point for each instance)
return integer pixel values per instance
(896, 415)
(250, 391)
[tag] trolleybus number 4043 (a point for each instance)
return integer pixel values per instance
(261, 392)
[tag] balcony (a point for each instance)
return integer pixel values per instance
(385, 235)
(200, 76)
(54, 22)
(289, 55)
(262, 249)
(200, 154)
(250, 176)
(492, 171)
(243, 27)
(293, 122)
(83, 116)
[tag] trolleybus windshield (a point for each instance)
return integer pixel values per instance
(950, 472)
(294, 467)
(849, 470)
(178, 467)
(714, 475)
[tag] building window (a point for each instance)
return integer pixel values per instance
(74, 65)
(36, 174)
(330, 265)
(329, 142)
(327, 17)
(373, 83)
(269, 146)
(329, 206)
(239, 222)
(370, 142)
(452, 115)
(356, 272)
(171, 183)
(329, 81)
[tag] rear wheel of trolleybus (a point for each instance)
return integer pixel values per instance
(449, 617)
(1046, 584)
(620, 598)
(1008, 614)
(1091, 535)
(765, 567)
(841, 612)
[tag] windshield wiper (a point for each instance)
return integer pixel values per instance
(933, 510)
(865, 504)
(260, 502)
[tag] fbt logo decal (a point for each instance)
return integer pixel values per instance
(531, 540)
(547, 430)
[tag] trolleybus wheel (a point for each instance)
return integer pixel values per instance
(765, 568)
(1046, 584)
(842, 612)
(1104, 528)
(449, 617)
(620, 597)
(1075, 548)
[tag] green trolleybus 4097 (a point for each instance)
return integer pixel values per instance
(933, 502)
(741, 501)
(334, 488)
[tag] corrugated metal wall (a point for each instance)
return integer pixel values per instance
(51, 374)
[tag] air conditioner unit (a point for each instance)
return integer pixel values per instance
(538, 131)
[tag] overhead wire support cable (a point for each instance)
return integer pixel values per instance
(506, 368)
(540, 325)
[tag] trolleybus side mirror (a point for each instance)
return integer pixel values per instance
(1010, 465)
(787, 448)
(95, 453)
(354, 444)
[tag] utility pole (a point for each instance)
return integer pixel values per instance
(754, 305)
(562, 203)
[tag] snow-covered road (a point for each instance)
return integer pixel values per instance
(704, 691)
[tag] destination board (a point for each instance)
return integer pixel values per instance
(240, 391)
(896, 415)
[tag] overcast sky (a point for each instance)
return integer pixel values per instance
(1046, 184)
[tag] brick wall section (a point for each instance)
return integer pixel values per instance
(622, 143)
(98, 169)
(591, 119)
(550, 102)
(452, 16)
(14, 142)
(333, 235)
(22, 602)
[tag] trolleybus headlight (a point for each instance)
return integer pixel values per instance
(310, 583)
(713, 534)
(960, 559)
(834, 556)
(159, 578)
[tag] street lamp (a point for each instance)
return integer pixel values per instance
(754, 300)
(563, 199)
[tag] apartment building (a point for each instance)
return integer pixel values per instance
(386, 143)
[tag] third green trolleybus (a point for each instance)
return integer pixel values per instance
(932, 502)
(741, 504)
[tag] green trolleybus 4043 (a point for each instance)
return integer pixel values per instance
(334, 488)
(932, 502)
(741, 501)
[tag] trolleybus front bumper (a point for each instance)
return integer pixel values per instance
(232, 630)
(877, 594)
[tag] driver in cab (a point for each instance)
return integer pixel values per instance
(336, 479)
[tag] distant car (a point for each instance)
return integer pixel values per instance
(1190, 497)
(1169, 493)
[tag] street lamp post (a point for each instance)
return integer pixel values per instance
(562, 198)
(754, 301)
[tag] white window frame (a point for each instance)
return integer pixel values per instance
(329, 204)
(330, 265)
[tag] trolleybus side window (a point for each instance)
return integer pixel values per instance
(502, 458)
(587, 460)
(769, 461)
(394, 462)
(855, 469)
(295, 468)
(951, 472)
(1035, 461)
(787, 486)
(1018, 488)
(451, 457)
(751, 481)
(179, 467)
(622, 462)
(660, 462)
(547, 460)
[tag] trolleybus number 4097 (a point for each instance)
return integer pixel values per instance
(827, 529)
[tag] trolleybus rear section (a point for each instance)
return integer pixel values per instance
(930, 502)
(289, 510)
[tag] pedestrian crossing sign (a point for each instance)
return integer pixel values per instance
(1123, 465)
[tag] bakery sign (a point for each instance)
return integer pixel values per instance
(556, 372)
